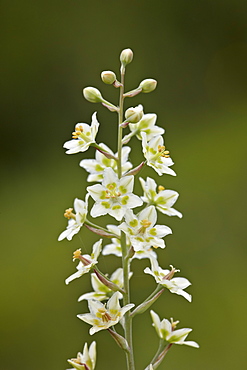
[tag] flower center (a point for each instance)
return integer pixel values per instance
(111, 191)
(103, 314)
(145, 224)
(78, 131)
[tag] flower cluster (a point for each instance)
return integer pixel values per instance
(136, 234)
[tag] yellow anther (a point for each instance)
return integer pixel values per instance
(77, 254)
(77, 132)
(145, 223)
(160, 188)
(174, 323)
(163, 152)
(68, 213)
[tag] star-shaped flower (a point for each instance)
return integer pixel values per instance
(101, 291)
(96, 166)
(85, 360)
(163, 200)
(156, 155)
(114, 196)
(83, 136)
(103, 316)
(142, 231)
(75, 220)
(115, 246)
(87, 262)
(146, 125)
(166, 330)
(165, 278)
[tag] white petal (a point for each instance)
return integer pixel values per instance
(109, 177)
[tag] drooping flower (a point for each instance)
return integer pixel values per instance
(146, 125)
(75, 220)
(142, 231)
(83, 136)
(87, 262)
(96, 166)
(85, 360)
(166, 330)
(163, 200)
(156, 154)
(114, 196)
(101, 291)
(103, 316)
(165, 278)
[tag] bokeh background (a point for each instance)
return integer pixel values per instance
(197, 50)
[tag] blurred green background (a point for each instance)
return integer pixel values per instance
(197, 50)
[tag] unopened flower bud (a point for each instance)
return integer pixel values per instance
(148, 85)
(92, 94)
(134, 114)
(108, 77)
(126, 56)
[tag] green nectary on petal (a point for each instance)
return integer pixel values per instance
(160, 200)
(116, 207)
(138, 238)
(111, 186)
(105, 204)
(125, 200)
(99, 168)
(153, 231)
(103, 194)
(122, 189)
(133, 223)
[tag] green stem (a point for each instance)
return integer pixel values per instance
(125, 259)
(160, 349)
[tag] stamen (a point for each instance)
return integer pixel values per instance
(145, 223)
(104, 315)
(77, 132)
(163, 152)
(77, 254)
(69, 214)
(171, 273)
(160, 188)
(174, 323)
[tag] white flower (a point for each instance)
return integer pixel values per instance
(163, 200)
(104, 316)
(75, 221)
(85, 360)
(96, 166)
(83, 136)
(101, 291)
(141, 230)
(156, 155)
(86, 261)
(165, 278)
(115, 246)
(165, 330)
(146, 125)
(114, 196)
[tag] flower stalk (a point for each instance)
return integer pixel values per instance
(134, 235)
